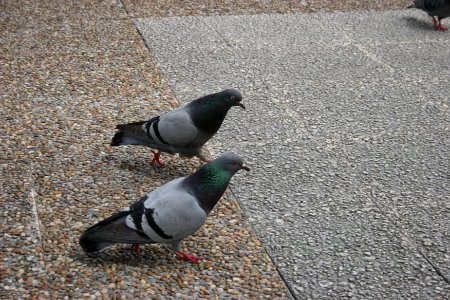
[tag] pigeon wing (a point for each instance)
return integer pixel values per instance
(177, 129)
(171, 213)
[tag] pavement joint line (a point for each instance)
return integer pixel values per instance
(36, 222)
(130, 17)
(409, 239)
(376, 59)
(120, 3)
(219, 34)
(438, 271)
(369, 54)
(286, 282)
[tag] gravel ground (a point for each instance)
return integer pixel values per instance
(69, 73)
(169, 8)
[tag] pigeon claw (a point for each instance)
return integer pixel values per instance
(438, 25)
(156, 156)
(441, 27)
(189, 257)
(135, 248)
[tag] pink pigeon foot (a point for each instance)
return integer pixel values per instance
(189, 257)
(441, 27)
(156, 156)
(135, 248)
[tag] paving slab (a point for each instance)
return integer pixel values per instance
(347, 134)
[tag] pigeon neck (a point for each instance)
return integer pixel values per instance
(208, 113)
(208, 185)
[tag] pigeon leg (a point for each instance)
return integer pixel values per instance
(433, 18)
(135, 248)
(435, 22)
(189, 257)
(156, 156)
(441, 27)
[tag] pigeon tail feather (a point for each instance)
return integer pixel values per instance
(130, 125)
(129, 134)
(126, 138)
(93, 246)
(111, 231)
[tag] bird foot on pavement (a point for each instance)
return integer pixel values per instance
(156, 156)
(135, 248)
(189, 257)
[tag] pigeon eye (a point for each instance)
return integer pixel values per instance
(232, 98)
(234, 162)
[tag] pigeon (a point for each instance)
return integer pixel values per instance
(183, 130)
(439, 8)
(168, 214)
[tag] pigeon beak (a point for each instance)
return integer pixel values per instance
(245, 168)
(241, 105)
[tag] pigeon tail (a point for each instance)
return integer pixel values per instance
(89, 245)
(109, 232)
(129, 134)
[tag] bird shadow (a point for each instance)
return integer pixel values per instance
(150, 256)
(418, 23)
(146, 168)
(138, 167)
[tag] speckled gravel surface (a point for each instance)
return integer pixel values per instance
(69, 73)
(169, 8)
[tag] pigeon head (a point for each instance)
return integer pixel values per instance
(230, 163)
(208, 112)
(231, 97)
(210, 182)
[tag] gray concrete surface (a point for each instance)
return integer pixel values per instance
(347, 133)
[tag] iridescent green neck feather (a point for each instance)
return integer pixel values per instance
(208, 185)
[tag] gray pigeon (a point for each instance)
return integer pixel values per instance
(170, 213)
(434, 8)
(183, 130)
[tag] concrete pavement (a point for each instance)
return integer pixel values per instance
(347, 133)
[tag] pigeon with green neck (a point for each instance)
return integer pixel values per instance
(183, 130)
(168, 214)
